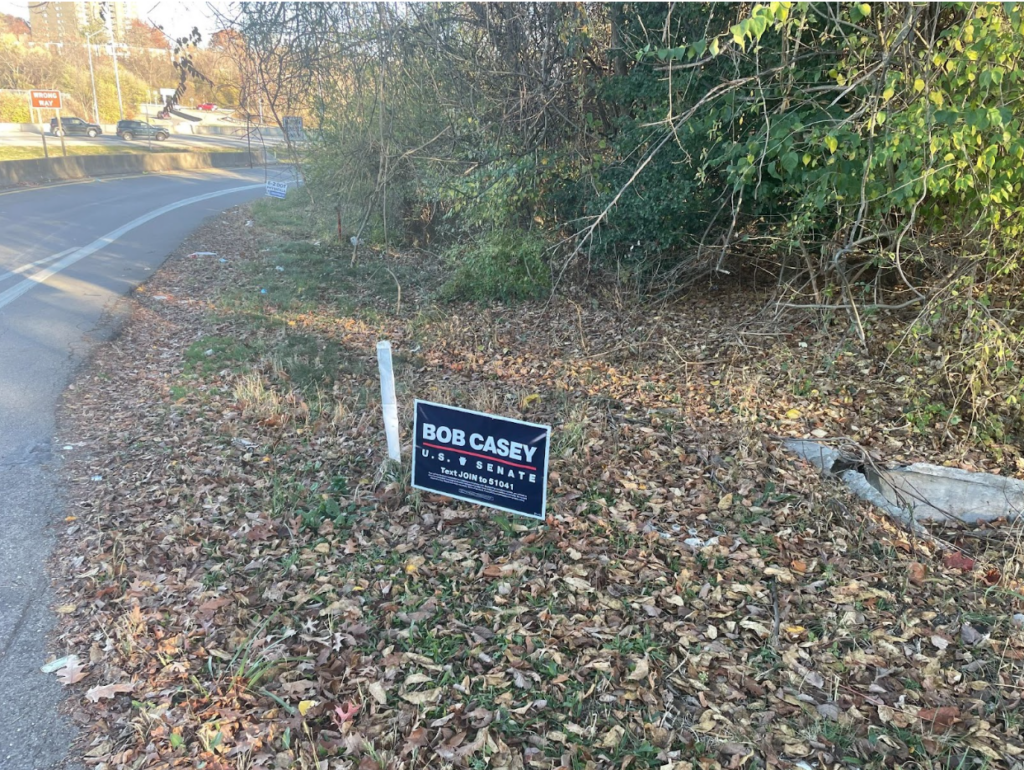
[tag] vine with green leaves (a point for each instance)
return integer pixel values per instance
(873, 149)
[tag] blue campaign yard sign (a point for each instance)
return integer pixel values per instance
(277, 189)
(480, 458)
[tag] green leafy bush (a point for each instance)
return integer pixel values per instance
(501, 266)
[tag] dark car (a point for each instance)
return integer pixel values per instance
(140, 129)
(74, 127)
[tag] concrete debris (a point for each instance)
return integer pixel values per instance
(935, 493)
(697, 543)
(919, 492)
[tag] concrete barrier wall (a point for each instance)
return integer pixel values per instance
(178, 127)
(39, 128)
(23, 128)
(42, 170)
(239, 130)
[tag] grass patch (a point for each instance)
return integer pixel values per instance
(314, 364)
(502, 266)
(213, 354)
(289, 218)
(36, 151)
(306, 272)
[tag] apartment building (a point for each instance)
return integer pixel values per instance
(58, 22)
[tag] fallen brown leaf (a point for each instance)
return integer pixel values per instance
(95, 694)
(939, 719)
(640, 671)
(956, 560)
(71, 674)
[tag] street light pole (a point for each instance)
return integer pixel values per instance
(92, 77)
(117, 78)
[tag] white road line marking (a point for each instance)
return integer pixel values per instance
(105, 240)
(38, 263)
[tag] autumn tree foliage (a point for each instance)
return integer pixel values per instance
(225, 40)
(23, 67)
(14, 25)
(142, 35)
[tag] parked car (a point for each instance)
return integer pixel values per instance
(74, 127)
(207, 106)
(140, 129)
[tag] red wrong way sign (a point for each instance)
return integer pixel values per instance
(46, 100)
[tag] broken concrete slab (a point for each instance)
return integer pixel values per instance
(919, 492)
(821, 456)
(937, 493)
(833, 462)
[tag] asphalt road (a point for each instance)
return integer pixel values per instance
(67, 254)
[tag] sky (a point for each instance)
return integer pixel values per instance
(177, 17)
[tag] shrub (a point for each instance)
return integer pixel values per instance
(14, 108)
(502, 265)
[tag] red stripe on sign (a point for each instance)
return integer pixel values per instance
(474, 454)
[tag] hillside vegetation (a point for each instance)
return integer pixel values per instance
(864, 158)
(142, 71)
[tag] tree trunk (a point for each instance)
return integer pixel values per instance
(617, 55)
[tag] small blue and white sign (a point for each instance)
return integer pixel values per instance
(481, 458)
(277, 189)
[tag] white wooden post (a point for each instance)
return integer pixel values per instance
(389, 403)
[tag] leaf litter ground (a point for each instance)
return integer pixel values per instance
(245, 584)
